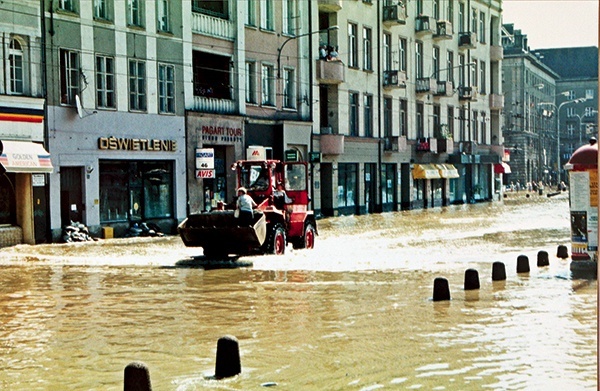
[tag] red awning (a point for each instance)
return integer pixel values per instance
(502, 168)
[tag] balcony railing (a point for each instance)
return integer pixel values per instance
(444, 30)
(496, 53)
(330, 72)
(444, 88)
(394, 79)
(427, 144)
(426, 85)
(213, 105)
(467, 93)
(467, 40)
(496, 102)
(395, 144)
(330, 5)
(425, 25)
(394, 14)
(213, 26)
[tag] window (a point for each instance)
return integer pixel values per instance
(387, 117)
(268, 85)
(135, 13)
(347, 185)
(436, 9)
(402, 54)
(484, 137)
(367, 49)
(163, 22)
(388, 183)
(387, 52)
(419, 59)
(461, 17)
(570, 128)
(419, 7)
(570, 111)
(101, 9)
(482, 27)
(166, 89)
(368, 114)
(105, 82)
(450, 66)
(436, 62)
(69, 76)
(250, 82)
(589, 111)
(289, 19)
(462, 121)
(482, 78)
(289, 88)
(137, 85)
(403, 117)
(450, 121)
(66, 5)
(474, 127)
(353, 117)
(217, 8)
(420, 120)
(352, 45)
(473, 20)
(461, 70)
(450, 11)
(266, 15)
(474, 73)
(570, 95)
(589, 94)
(17, 73)
(212, 75)
(251, 12)
(8, 206)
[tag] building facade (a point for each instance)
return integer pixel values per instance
(408, 111)
(116, 114)
(24, 160)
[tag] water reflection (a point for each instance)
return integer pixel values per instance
(355, 313)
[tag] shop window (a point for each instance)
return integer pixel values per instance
(347, 187)
(8, 210)
(388, 182)
(133, 191)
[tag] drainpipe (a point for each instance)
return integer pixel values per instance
(44, 93)
(310, 106)
(380, 111)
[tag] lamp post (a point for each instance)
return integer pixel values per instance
(280, 48)
(578, 100)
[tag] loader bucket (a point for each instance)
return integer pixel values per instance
(218, 232)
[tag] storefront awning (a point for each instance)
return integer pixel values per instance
(426, 171)
(24, 157)
(448, 171)
(502, 168)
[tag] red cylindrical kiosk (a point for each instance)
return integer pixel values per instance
(583, 196)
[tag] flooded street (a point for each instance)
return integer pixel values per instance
(355, 313)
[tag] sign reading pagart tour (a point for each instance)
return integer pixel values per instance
(136, 144)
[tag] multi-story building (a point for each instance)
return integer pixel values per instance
(577, 95)
(409, 111)
(249, 85)
(116, 112)
(24, 162)
(528, 86)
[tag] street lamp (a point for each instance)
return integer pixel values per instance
(294, 37)
(578, 100)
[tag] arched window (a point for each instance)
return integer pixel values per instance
(15, 59)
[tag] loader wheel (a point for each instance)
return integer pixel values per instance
(308, 239)
(276, 243)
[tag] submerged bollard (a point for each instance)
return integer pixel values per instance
(523, 264)
(471, 279)
(562, 252)
(498, 271)
(441, 290)
(137, 377)
(228, 357)
(542, 258)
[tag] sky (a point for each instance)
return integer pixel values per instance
(554, 23)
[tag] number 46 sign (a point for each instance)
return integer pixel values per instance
(205, 163)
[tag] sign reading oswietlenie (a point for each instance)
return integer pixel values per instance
(136, 144)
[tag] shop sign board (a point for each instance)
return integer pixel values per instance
(205, 158)
(205, 174)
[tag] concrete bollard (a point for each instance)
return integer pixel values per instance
(471, 279)
(562, 252)
(542, 258)
(228, 357)
(498, 271)
(523, 264)
(441, 290)
(137, 377)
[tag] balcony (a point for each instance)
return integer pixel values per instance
(214, 105)
(467, 147)
(394, 144)
(427, 144)
(332, 144)
(330, 5)
(445, 145)
(444, 30)
(496, 53)
(213, 26)
(394, 79)
(426, 85)
(496, 102)
(424, 25)
(330, 72)
(394, 14)
(444, 88)
(467, 93)
(467, 40)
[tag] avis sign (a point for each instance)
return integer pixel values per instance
(205, 163)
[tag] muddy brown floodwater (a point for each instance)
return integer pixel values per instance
(355, 313)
